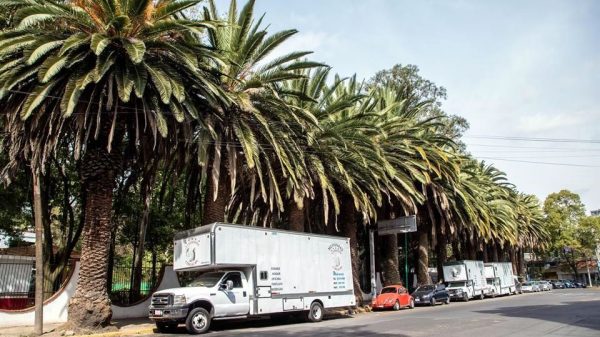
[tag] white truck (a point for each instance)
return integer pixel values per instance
(245, 271)
(500, 279)
(465, 279)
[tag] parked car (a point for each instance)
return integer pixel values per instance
(545, 285)
(393, 297)
(518, 285)
(569, 284)
(431, 294)
(580, 284)
(530, 287)
(557, 285)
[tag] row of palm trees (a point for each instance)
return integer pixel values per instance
(270, 141)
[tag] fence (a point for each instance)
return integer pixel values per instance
(17, 282)
(122, 290)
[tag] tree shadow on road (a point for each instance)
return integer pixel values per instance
(585, 314)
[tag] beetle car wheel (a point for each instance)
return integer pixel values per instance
(412, 304)
(198, 321)
(315, 314)
(396, 306)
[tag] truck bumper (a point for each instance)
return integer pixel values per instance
(168, 314)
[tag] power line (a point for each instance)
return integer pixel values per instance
(537, 139)
(539, 162)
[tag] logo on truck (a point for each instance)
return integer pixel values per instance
(336, 256)
(191, 255)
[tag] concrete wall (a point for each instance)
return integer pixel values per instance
(169, 280)
(55, 308)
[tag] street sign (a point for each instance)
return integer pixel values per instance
(403, 224)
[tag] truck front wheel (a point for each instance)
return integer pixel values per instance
(466, 297)
(315, 314)
(198, 321)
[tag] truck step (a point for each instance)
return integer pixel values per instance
(229, 317)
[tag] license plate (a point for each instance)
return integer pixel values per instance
(417, 300)
(158, 312)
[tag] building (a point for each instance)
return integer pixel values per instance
(596, 212)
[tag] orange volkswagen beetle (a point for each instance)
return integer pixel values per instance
(393, 297)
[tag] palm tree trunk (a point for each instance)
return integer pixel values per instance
(389, 259)
(215, 205)
(423, 263)
(347, 220)
(456, 250)
(90, 305)
(486, 257)
(143, 226)
(441, 252)
(471, 250)
(522, 267)
(513, 259)
(495, 257)
(296, 217)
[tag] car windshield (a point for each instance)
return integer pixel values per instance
(207, 280)
(426, 288)
(456, 284)
(388, 290)
(527, 284)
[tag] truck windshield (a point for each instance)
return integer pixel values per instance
(456, 284)
(206, 280)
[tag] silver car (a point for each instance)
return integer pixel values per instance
(545, 285)
(530, 287)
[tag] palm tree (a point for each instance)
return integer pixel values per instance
(256, 133)
(104, 80)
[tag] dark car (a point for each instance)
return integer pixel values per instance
(557, 285)
(431, 294)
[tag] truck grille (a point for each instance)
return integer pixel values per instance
(161, 300)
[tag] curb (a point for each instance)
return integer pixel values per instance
(126, 332)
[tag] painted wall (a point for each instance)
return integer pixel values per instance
(55, 309)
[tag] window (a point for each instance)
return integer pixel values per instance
(264, 275)
(401, 291)
(236, 278)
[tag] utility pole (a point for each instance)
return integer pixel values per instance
(39, 259)
(587, 264)
(372, 263)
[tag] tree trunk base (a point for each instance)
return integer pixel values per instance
(90, 311)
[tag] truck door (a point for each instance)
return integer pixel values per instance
(234, 302)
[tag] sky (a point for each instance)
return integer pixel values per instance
(513, 69)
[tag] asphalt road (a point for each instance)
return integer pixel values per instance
(568, 312)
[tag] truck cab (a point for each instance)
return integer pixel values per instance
(211, 295)
(461, 290)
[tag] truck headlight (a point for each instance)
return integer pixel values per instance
(179, 300)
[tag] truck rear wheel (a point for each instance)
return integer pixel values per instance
(315, 314)
(198, 321)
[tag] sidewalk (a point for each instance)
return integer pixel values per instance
(124, 327)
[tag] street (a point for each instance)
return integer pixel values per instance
(565, 312)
